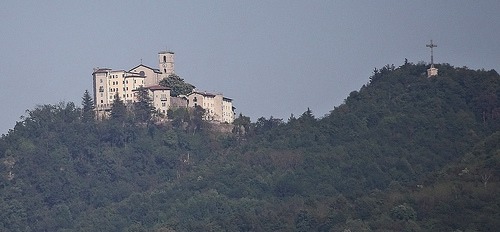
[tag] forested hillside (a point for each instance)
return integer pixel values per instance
(404, 153)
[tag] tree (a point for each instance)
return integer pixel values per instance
(143, 108)
(118, 109)
(403, 212)
(178, 85)
(307, 116)
(242, 125)
(179, 117)
(197, 118)
(263, 124)
(88, 113)
(304, 221)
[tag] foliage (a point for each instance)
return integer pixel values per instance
(88, 108)
(189, 120)
(403, 153)
(143, 108)
(177, 84)
(118, 109)
(403, 212)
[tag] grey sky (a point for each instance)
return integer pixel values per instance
(274, 58)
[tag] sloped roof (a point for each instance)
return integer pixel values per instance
(204, 93)
(135, 75)
(157, 87)
(145, 66)
(101, 70)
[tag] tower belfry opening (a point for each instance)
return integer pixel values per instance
(166, 63)
(432, 71)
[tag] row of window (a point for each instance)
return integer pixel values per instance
(163, 104)
(125, 82)
(111, 97)
(116, 76)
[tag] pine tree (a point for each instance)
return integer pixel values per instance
(143, 108)
(118, 109)
(88, 113)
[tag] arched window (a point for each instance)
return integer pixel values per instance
(164, 59)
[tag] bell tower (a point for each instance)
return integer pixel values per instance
(166, 63)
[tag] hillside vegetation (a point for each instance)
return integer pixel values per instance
(404, 153)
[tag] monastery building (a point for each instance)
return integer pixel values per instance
(108, 83)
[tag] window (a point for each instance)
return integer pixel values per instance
(164, 59)
(100, 80)
(195, 99)
(163, 104)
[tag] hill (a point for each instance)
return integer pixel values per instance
(404, 153)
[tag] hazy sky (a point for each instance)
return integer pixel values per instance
(274, 58)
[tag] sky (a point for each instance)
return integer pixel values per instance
(274, 58)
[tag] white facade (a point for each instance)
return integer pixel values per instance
(109, 83)
(151, 76)
(431, 72)
(217, 107)
(160, 97)
(227, 110)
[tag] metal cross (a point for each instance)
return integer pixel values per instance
(432, 52)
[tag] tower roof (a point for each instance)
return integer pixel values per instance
(166, 52)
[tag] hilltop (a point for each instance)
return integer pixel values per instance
(403, 153)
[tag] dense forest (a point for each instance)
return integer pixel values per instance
(404, 153)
